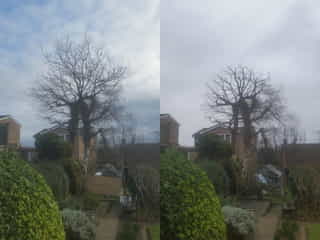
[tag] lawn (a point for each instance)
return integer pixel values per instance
(313, 231)
(154, 231)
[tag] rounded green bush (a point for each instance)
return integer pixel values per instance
(27, 207)
(189, 206)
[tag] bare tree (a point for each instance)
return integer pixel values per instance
(80, 88)
(128, 127)
(240, 97)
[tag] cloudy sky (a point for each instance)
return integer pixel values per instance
(199, 38)
(129, 30)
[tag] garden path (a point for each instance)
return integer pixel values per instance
(107, 228)
(267, 225)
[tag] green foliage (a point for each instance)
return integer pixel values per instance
(217, 176)
(56, 178)
(240, 222)
(287, 230)
(189, 206)
(129, 231)
(27, 206)
(313, 231)
(154, 232)
(212, 147)
(51, 147)
(91, 201)
(86, 201)
(78, 225)
(304, 186)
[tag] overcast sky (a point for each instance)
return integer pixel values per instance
(199, 38)
(129, 30)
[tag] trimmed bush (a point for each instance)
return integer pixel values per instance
(240, 222)
(78, 225)
(56, 178)
(189, 206)
(27, 206)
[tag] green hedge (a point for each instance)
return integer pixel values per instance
(189, 206)
(27, 207)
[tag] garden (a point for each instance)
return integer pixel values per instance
(207, 199)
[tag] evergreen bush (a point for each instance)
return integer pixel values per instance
(27, 207)
(190, 208)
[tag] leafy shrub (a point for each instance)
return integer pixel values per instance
(27, 206)
(304, 186)
(78, 225)
(129, 231)
(91, 201)
(240, 222)
(146, 181)
(72, 202)
(56, 178)
(189, 206)
(287, 230)
(217, 176)
(51, 147)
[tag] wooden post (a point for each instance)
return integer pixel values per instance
(284, 166)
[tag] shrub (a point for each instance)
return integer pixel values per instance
(56, 178)
(51, 147)
(217, 176)
(27, 206)
(146, 181)
(212, 147)
(304, 186)
(91, 201)
(129, 231)
(287, 230)
(78, 225)
(240, 222)
(189, 206)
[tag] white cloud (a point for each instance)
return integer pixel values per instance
(128, 29)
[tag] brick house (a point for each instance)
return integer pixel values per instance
(9, 132)
(78, 151)
(224, 134)
(169, 131)
(169, 136)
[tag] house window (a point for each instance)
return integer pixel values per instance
(3, 134)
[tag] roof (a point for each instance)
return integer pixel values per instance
(46, 130)
(2, 117)
(206, 130)
(168, 116)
